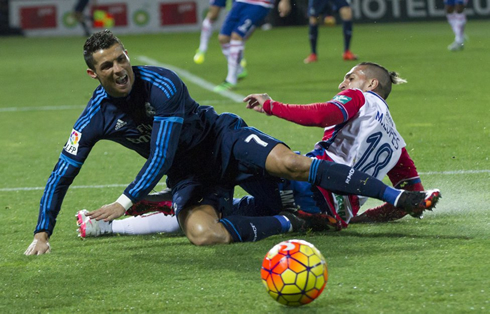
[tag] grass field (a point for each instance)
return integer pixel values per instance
(434, 265)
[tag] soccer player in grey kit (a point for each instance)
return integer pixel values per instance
(204, 155)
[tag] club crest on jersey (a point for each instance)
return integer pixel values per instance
(71, 145)
(343, 99)
(150, 110)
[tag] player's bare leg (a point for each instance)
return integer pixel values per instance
(284, 163)
(201, 226)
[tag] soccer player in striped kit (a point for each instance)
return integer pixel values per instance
(240, 22)
(359, 132)
(204, 155)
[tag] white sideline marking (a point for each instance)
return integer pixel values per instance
(456, 172)
(44, 108)
(183, 73)
(71, 187)
(56, 108)
(163, 184)
(194, 79)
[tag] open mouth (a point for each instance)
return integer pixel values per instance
(122, 80)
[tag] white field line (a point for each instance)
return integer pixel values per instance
(57, 108)
(458, 172)
(208, 102)
(44, 108)
(455, 172)
(38, 188)
(188, 76)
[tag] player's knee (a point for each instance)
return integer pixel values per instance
(206, 233)
(201, 226)
(197, 233)
(313, 20)
(345, 13)
(223, 39)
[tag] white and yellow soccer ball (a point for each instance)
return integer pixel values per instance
(294, 272)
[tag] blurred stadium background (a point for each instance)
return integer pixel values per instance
(53, 17)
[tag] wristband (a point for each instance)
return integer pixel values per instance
(124, 201)
(268, 104)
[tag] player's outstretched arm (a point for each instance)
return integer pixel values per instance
(40, 244)
(256, 102)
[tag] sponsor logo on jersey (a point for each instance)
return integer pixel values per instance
(150, 110)
(145, 137)
(119, 124)
(71, 145)
(343, 99)
(339, 204)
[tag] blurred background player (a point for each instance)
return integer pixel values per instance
(240, 22)
(214, 10)
(457, 19)
(317, 8)
(81, 18)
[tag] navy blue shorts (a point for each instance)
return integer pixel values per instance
(243, 18)
(80, 5)
(218, 3)
(234, 154)
(320, 7)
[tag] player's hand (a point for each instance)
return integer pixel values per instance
(108, 212)
(256, 101)
(284, 8)
(39, 245)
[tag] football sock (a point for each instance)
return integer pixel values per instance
(313, 36)
(451, 18)
(342, 179)
(234, 58)
(206, 32)
(251, 229)
(225, 49)
(146, 224)
(347, 29)
(460, 22)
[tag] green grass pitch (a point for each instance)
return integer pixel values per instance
(435, 265)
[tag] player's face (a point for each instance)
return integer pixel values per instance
(355, 78)
(113, 70)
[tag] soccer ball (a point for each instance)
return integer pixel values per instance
(294, 272)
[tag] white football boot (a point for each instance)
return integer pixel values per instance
(455, 46)
(90, 227)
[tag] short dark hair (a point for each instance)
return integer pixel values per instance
(385, 78)
(100, 40)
